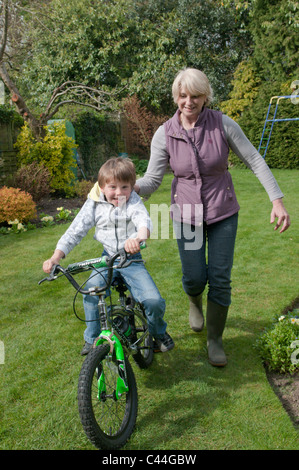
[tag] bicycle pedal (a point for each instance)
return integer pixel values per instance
(156, 349)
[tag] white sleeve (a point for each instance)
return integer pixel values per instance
(79, 228)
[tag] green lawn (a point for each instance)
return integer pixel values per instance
(184, 403)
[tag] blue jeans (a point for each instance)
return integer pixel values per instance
(219, 239)
(142, 288)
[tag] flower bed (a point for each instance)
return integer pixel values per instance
(49, 212)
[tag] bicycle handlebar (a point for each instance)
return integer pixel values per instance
(87, 265)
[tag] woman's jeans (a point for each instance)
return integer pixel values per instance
(142, 288)
(212, 263)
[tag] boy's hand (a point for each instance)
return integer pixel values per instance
(132, 245)
(48, 265)
(55, 259)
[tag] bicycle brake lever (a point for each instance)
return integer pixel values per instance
(51, 277)
(132, 261)
(124, 262)
(123, 258)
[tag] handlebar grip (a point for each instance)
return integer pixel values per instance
(88, 264)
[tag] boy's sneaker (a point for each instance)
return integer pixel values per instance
(163, 344)
(86, 348)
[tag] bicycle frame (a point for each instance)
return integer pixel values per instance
(106, 335)
(115, 345)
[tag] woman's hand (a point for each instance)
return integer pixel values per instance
(282, 215)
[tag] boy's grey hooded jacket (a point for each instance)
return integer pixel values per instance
(113, 225)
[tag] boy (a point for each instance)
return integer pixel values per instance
(121, 221)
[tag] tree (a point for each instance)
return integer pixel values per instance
(137, 45)
(66, 93)
(188, 33)
(245, 90)
(119, 47)
(269, 71)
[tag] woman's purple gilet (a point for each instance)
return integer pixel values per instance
(202, 187)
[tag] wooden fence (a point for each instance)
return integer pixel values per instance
(8, 155)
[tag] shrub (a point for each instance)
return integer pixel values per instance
(278, 345)
(55, 152)
(34, 179)
(140, 165)
(82, 188)
(16, 204)
(141, 125)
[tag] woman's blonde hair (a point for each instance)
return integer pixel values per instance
(193, 81)
(117, 169)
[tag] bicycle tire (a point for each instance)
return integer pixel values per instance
(144, 357)
(107, 422)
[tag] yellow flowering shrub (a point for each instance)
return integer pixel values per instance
(55, 151)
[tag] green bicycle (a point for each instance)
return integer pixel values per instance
(107, 390)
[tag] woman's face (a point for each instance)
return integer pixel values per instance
(190, 105)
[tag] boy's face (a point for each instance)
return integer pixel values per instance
(117, 192)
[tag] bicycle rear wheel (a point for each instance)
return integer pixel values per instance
(108, 422)
(145, 355)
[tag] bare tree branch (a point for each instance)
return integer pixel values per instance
(100, 97)
(87, 105)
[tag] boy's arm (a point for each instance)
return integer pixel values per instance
(143, 224)
(80, 226)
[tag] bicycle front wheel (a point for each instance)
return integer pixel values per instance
(107, 421)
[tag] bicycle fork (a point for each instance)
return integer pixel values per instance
(115, 346)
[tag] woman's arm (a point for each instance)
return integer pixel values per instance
(157, 165)
(248, 154)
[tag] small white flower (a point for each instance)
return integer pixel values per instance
(281, 318)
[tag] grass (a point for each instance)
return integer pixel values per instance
(184, 403)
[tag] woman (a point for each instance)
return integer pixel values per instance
(196, 142)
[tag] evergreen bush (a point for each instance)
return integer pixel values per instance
(55, 152)
(98, 140)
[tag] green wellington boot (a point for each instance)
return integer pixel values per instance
(196, 318)
(216, 319)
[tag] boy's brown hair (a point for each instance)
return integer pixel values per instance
(117, 169)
